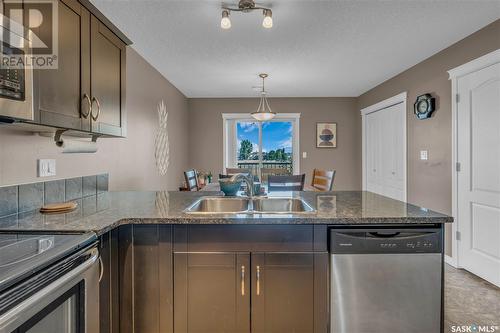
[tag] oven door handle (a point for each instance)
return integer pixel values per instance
(11, 317)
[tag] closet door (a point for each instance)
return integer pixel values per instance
(395, 117)
(385, 152)
(372, 152)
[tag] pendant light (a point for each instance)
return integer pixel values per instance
(264, 111)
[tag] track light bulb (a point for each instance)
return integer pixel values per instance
(225, 22)
(268, 19)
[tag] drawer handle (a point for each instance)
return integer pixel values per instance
(258, 280)
(89, 102)
(242, 280)
(94, 118)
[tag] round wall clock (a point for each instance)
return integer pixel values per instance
(424, 106)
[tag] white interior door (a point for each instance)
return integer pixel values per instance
(478, 139)
(385, 152)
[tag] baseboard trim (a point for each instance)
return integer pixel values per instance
(450, 261)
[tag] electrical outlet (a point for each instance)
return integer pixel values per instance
(304, 154)
(46, 167)
(424, 155)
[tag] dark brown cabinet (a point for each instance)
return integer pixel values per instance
(136, 290)
(267, 279)
(212, 292)
(214, 278)
(220, 292)
(87, 90)
(109, 283)
(62, 95)
(282, 292)
(107, 80)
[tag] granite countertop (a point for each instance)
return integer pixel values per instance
(118, 208)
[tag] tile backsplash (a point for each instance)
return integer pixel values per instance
(28, 197)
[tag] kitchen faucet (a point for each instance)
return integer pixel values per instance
(248, 179)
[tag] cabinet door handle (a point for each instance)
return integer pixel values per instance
(258, 280)
(89, 111)
(242, 280)
(94, 118)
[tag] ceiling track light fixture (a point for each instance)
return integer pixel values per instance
(246, 6)
(264, 112)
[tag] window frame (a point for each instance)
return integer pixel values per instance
(229, 132)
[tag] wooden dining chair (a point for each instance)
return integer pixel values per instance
(322, 180)
(266, 172)
(191, 178)
(286, 183)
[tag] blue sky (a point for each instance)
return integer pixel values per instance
(275, 135)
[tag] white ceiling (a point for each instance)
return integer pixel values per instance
(316, 48)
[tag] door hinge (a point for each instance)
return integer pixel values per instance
(457, 235)
(457, 98)
(457, 166)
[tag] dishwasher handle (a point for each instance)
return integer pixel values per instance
(385, 234)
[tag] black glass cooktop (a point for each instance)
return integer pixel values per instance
(22, 255)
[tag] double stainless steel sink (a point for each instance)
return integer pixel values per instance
(244, 205)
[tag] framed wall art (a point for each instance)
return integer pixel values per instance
(326, 135)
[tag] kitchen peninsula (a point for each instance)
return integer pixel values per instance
(274, 271)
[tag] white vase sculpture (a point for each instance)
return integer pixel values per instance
(162, 149)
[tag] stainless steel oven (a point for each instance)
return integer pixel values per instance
(62, 297)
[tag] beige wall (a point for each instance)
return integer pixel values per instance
(205, 140)
(130, 161)
(429, 182)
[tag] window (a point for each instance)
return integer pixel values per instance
(256, 145)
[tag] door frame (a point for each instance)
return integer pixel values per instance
(294, 117)
(455, 74)
(394, 100)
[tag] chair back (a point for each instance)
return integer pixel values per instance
(191, 178)
(286, 183)
(266, 172)
(233, 171)
(322, 180)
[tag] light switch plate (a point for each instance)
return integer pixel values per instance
(46, 167)
(424, 155)
(304, 154)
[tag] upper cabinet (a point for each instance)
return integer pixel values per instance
(87, 90)
(107, 77)
(62, 95)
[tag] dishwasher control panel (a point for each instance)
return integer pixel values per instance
(404, 240)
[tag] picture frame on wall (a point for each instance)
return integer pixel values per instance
(326, 135)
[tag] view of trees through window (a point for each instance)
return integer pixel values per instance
(274, 151)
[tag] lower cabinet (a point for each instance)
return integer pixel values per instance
(109, 300)
(282, 292)
(136, 289)
(212, 292)
(161, 278)
(243, 292)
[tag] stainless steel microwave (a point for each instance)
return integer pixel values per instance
(16, 82)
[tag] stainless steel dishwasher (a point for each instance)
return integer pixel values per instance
(386, 280)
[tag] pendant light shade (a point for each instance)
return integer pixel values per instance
(264, 111)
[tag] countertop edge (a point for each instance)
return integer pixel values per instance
(213, 220)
